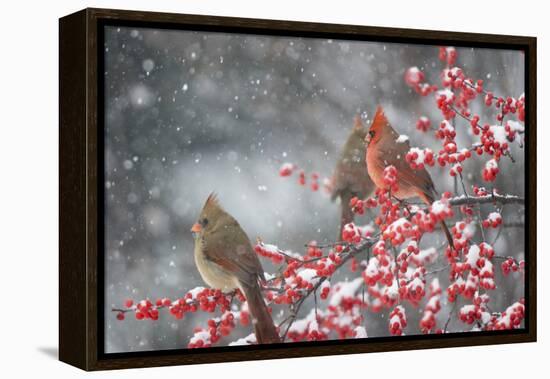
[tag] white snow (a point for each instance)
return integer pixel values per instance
(499, 133)
(417, 282)
(494, 216)
(203, 335)
(428, 255)
(248, 340)
(270, 248)
(420, 152)
(195, 291)
(343, 290)
(439, 207)
(360, 332)
(447, 126)
(432, 303)
(491, 164)
(515, 126)
(446, 93)
(414, 74)
(393, 290)
(487, 269)
(435, 286)
(400, 223)
(301, 326)
(148, 65)
(468, 308)
(473, 255)
(309, 275)
(469, 230)
(372, 267)
(402, 138)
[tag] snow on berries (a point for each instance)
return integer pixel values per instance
(441, 209)
(432, 308)
(448, 55)
(355, 234)
(490, 170)
(445, 99)
(271, 252)
(398, 321)
(358, 206)
(476, 312)
(511, 318)
(201, 338)
(399, 230)
(217, 328)
(380, 267)
(493, 220)
(390, 178)
(360, 332)
(510, 265)
(423, 124)
(418, 158)
(286, 169)
(414, 78)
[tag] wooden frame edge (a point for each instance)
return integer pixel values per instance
(72, 190)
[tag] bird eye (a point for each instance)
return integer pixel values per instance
(204, 221)
(371, 133)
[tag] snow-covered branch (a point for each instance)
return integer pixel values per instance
(487, 199)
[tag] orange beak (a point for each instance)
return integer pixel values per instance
(196, 228)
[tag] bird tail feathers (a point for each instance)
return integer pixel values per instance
(263, 323)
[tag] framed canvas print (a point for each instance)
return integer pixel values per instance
(237, 189)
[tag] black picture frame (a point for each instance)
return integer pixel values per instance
(81, 188)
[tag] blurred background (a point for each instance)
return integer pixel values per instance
(188, 113)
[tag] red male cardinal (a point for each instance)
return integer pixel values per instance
(226, 260)
(350, 178)
(384, 150)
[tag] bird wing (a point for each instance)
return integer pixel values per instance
(228, 246)
(393, 153)
(350, 173)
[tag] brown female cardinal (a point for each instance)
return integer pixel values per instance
(350, 179)
(383, 150)
(226, 261)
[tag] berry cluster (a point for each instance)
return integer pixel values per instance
(398, 321)
(380, 267)
(400, 230)
(490, 170)
(432, 308)
(288, 169)
(199, 298)
(493, 220)
(270, 252)
(511, 265)
(448, 55)
(509, 319)
(475, 312)
(358, 206)
(423, 124)
(390, 178)
(417, 158)
(415, 79)
(218, 328)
